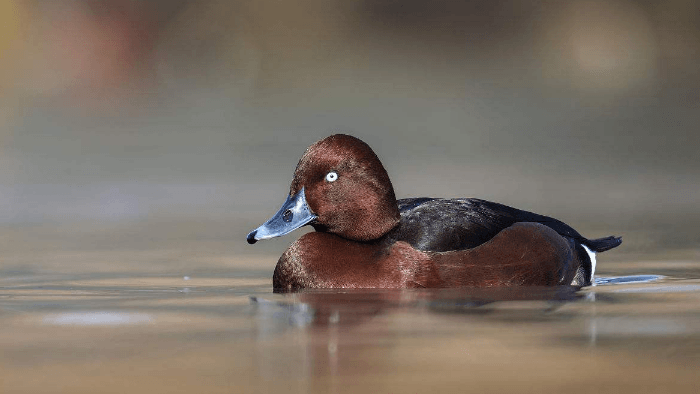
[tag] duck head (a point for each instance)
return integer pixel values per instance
(339, 187)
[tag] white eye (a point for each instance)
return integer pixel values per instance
(332, 176)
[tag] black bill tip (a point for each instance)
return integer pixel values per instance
(251, 237)
(294, 213)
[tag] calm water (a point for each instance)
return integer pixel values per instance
(636, 331)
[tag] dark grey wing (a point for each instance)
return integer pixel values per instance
(440, 225)
(596, 245)
(463, 223)
(525, 216)
(406, 204)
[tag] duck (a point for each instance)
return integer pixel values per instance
(365, 238)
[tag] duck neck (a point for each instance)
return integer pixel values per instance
(368, 223)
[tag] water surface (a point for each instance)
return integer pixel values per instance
(636, 331)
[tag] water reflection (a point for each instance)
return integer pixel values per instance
(357, 332)
(86, 334)
(354, 306)
(637, 326)
(329, 306)
(99, 318)
(627, 279)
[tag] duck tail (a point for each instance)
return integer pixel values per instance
(603, 244)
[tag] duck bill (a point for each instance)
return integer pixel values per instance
(295, 212)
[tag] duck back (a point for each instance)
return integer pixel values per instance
(465, 223)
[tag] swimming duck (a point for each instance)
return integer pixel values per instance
(365, 238)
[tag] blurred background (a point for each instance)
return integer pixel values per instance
(166, 130)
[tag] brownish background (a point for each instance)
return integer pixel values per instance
(131, 125)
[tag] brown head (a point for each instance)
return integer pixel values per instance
(346, 190)
(340, 187)
(347, 187)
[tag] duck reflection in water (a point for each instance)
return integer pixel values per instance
(320, 308)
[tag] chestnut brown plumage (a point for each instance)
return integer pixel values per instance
(365, 238)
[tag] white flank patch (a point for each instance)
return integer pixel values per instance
(591, 255)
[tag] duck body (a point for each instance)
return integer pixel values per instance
(365, 238)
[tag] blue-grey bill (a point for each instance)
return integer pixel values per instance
(295, 212)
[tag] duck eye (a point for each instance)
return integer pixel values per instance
(332, 176)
